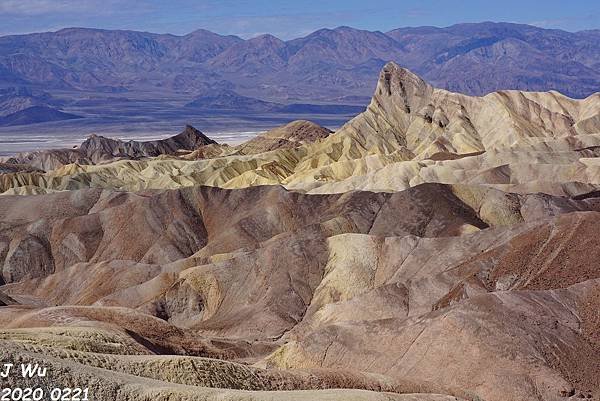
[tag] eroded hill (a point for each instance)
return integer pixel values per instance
(437, 247)
(411, 133)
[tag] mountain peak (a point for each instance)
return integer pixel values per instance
(191, 138)
(76, 29)
(266, 38)
(345, 28)
(395, 80)
(204, 33)
(338, 31)
(98, 148)
(291, 135)
(190, 129)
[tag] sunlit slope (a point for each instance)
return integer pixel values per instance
(410, 133)
(200, 292)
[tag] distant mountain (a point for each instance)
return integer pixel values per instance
(36, 114)
(305, 108)
(79, 58)
(481, 58)
(326, 65)
(259, 55)
(343, 46)
(231, 101)
(14, 99)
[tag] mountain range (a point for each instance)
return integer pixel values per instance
(436, 247)
(474, 59)
(232, 103)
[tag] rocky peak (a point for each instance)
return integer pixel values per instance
(399, 98)
(400, 83)
(291, 135)
(99, 148)
(192, 137)
(268, 40)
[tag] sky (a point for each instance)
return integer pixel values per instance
(287, 19)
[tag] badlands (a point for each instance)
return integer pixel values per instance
(437, 247)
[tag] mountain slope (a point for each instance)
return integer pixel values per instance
(411, 133)
(98, 149)
(14, 99)
(466, 58)
(294, 134)
(337, 287)
(324, 65)
(231, 102)
(35, 114)
(437, 247)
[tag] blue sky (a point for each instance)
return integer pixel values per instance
(286, 19)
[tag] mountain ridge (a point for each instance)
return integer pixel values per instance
(434, 229)
(411, 133)
(327, 63)
(99, 149)
(35, 114)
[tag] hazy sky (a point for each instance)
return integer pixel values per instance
(286, 19)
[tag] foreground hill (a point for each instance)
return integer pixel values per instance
(292, 135)
(437, 247)
(349, 291)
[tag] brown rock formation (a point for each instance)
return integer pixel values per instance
(291, 135)
(443, 284)
(97, 149)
